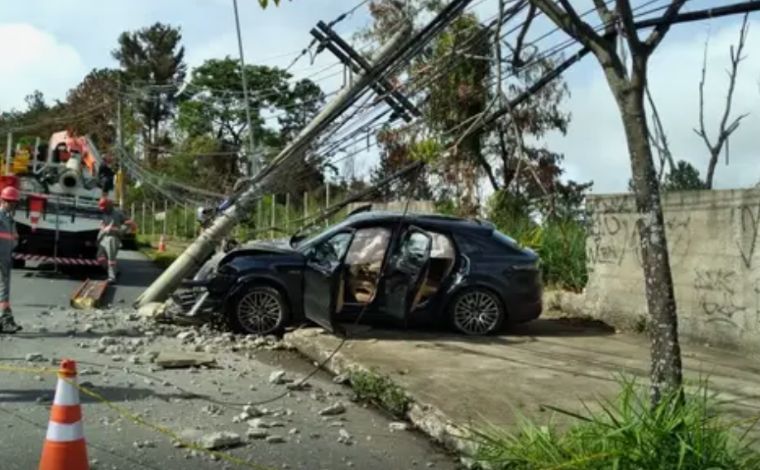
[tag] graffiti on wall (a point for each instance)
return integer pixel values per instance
(750, 224)
(613, 236)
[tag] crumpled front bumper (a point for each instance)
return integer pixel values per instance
(198, 297)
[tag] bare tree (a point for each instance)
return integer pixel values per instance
(725, 130)
(628, 86)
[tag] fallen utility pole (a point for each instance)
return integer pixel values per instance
(192, 258)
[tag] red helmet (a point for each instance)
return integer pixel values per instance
(10, 194)
(103, 203)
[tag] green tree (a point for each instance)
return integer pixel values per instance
(152, 61)
(213, 107)
(684, 177)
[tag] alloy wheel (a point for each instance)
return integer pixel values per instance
(260, 311)
(477, 313)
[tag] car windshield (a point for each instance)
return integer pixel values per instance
(309, 241)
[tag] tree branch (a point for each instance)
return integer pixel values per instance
(517, 62)
(662, 29)
(608, 18)
(625, 13)
(660, 139)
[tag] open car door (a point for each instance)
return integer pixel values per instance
(407, 267)
(323, 279)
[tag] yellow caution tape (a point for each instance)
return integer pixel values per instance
(124, 412)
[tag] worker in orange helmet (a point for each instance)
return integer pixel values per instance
(9, 198)
(112, 227)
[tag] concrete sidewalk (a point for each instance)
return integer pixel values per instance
(457, 382)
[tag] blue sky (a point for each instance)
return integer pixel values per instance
(51, 44)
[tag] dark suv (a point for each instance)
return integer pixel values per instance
(406, 269)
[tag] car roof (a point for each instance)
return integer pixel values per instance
(431, 220)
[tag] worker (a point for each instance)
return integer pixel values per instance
(109, 237)
(9, 198)
(105, 175)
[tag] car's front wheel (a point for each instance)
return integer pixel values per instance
(476, 312)
(260, 310)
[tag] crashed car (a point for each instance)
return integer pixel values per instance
(398, 268)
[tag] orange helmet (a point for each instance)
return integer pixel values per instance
(103, 203)
(10, 194)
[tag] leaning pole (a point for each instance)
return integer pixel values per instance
(195, 254)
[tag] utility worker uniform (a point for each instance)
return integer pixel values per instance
(109, 237)
(8, 242)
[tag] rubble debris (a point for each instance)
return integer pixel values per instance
(35, 357)
(179, 360)
(274, 439)
(186, 336)
(152, 309)
(257, 433)
(213, 410)
(220, 440)
(277, 377)
(341, 379)
(344, 437)
(398, 426)
(333, 410)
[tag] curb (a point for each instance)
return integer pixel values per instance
(427, 418)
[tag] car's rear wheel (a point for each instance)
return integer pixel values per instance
(477, 312)
(260, 310)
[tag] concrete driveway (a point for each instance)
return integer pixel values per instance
(459, 381)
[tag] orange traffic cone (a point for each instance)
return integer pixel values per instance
(65, 447)
(161, 244)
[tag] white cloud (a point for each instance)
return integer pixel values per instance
(33, 59)
(595, 145)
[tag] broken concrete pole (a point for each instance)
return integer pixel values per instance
(177, 360)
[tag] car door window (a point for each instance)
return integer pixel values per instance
(413, 252)
(331, 251)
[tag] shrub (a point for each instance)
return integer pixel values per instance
(681, 433)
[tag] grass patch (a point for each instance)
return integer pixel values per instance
(628, 434)
(381, 391)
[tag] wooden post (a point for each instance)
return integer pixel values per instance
(305, 207)
(287, 212)
(152, 220)
(166, 217)
(143, 227)
(259, 215)
(327, 202)
(187, 224)
(274, 216)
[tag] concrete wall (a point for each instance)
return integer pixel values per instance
(715, 258)
(415, 206)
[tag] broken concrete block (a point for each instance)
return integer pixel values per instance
(277, 377)
(150, 310)
(398, 426)
(186, 335)
(333, 410)
(344, 437)
(275, 439)
(35, 357)
(220, 440)
(176, 360)
(257, 433)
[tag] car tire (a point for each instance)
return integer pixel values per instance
(259, 310)
(476, 312)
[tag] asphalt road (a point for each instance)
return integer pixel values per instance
(178, 400)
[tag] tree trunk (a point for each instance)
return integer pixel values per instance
(666, 372)
(714, 155)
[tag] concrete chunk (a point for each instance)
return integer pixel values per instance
(220, 440)
(178, 360)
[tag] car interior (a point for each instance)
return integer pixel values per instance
(364, 262)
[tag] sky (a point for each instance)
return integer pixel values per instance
(50, 45)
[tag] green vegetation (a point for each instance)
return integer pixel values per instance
(681, 432)
(381, 391)
(560, 240)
